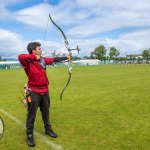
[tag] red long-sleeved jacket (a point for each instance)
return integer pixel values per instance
(37, 78)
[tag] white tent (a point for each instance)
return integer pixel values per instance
(87, 62)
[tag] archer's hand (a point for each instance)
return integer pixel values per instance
(38, 57)
(69, 57)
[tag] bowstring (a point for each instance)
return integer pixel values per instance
(45, 33)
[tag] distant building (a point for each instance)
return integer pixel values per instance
(134, 55)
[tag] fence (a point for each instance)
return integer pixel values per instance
(16, 64)
(9, 65)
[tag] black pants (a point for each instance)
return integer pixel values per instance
(43, 101)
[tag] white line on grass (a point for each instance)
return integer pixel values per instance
(18, 122)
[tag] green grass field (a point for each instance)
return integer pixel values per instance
(105, 107)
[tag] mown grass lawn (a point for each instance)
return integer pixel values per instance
(105, 107)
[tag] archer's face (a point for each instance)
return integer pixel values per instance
(38, 51)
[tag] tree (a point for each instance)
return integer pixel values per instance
(53, 53)
(99, 52)
(92, 55)
(139, 60)
(132, 58)
(122, 59)
(57, 54)
(146, 54)
(113, 53)
(86, 57)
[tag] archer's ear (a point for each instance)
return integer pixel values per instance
(33, 51)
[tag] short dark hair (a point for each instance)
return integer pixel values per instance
(32, 46)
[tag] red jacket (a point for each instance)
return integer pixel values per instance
(37, 78)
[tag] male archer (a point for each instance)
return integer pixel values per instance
(35, 68)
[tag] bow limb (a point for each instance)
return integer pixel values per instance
(65, 38)
(65, 86)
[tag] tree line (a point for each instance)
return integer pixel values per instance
(100, 53)
(2, 59)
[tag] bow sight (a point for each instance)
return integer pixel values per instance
(76, 49)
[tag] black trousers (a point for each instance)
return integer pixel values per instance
(43, 101)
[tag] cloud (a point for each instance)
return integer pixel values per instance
(5, 12)
(84, 22)
(135, 42)
(106, 16)
(36, 15)
(109, 15)
(11, 44)
(130, 43)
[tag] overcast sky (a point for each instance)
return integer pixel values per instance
(88, 23)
